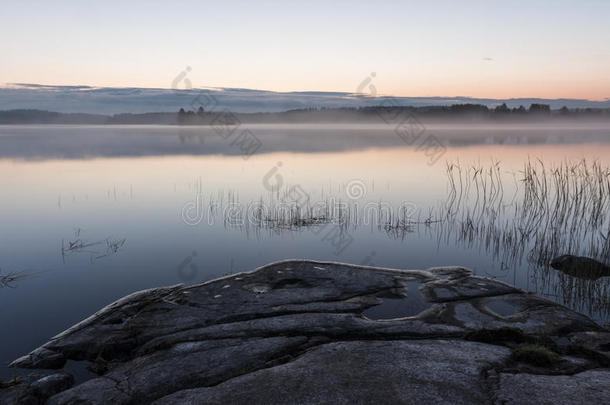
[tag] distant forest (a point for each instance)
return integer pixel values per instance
(453, 113)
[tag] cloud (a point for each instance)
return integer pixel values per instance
(47, 87)
(114, 100)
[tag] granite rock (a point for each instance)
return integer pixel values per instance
(296, 332)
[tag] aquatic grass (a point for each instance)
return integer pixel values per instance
(572, 199)
(78, 245)
(7, 280)
(552, 211)
(522, 219)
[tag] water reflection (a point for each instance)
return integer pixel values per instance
(402, 213)
(522, 219)
(551, 211)
(392, 306)
(83, 142)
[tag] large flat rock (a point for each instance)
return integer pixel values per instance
(588, 387)
(317, 332)
(389, 372)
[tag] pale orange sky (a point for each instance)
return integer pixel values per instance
(547, 49)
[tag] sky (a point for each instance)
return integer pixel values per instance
(545, 49)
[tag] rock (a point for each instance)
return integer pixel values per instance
(41, 358)
(390, 372)
(295, 332)
(597, 343)
(588, 387)
(581, 267)
(185, 365)
(34, 389)
(456, 289)
(52, 384)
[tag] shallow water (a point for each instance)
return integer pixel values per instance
(412, 304)
(90, 214)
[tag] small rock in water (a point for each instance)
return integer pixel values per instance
(581, 267)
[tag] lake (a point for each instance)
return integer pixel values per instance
(92, 213)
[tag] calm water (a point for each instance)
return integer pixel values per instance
(90, 214)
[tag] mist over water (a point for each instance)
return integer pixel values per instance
(90, 214)
(82, 142)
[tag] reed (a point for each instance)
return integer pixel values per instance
(521, 219)
(7, 280)
(551, 211)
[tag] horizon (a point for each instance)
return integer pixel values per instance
(117, 100)
(55, 86)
